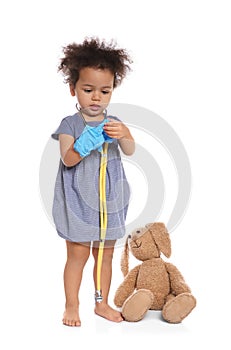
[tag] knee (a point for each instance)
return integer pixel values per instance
(78, 253)
(95, 253)
(107, 254)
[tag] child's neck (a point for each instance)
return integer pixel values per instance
(97, 118)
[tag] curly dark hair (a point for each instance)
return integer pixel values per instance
(96, 54)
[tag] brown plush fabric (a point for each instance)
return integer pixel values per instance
(137, 305)
(169, 291)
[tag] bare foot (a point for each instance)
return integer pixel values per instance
(71, 317)
(107, 312)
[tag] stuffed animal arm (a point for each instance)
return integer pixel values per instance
(178, 284)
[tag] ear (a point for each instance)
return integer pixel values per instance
(72, 89)
(124, 265)
(161, 237)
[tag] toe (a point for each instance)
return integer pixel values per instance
(119, 319)
(77, 323)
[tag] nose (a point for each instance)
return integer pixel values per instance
(95, 96)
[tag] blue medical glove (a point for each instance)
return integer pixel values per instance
(107, 138)
(90, 139)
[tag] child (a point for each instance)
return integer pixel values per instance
(92, 69)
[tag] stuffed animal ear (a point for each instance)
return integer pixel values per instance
(161, 237)
(124, 265)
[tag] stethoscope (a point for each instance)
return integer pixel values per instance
(103, 210)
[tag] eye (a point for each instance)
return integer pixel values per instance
(105, 92)
(87, 90)
(138, 231)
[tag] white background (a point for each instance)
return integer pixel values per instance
(181, 71)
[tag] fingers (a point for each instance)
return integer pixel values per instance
(114, 129)
(113, 132)
(112, 124)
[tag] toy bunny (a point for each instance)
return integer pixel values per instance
(154, 284)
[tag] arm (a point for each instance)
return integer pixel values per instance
(177, 282)
(68, 155)
(120, 131)
(127, 287)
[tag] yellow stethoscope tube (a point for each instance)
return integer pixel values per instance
(103, 219)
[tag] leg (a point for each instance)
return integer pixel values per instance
(136, 306)
(103, 309)
(178, 307)
(77, 256)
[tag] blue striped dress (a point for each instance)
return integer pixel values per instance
(76, 195)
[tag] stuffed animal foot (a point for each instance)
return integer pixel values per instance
(176, 309)
(136, 306)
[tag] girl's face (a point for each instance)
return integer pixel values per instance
(93, 90)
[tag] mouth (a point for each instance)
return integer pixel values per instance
(95, 107)
(136, 245)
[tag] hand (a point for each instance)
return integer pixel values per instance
(89, 140)
(115, 129)
(118, 130)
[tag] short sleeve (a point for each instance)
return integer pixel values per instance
(64, 128)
